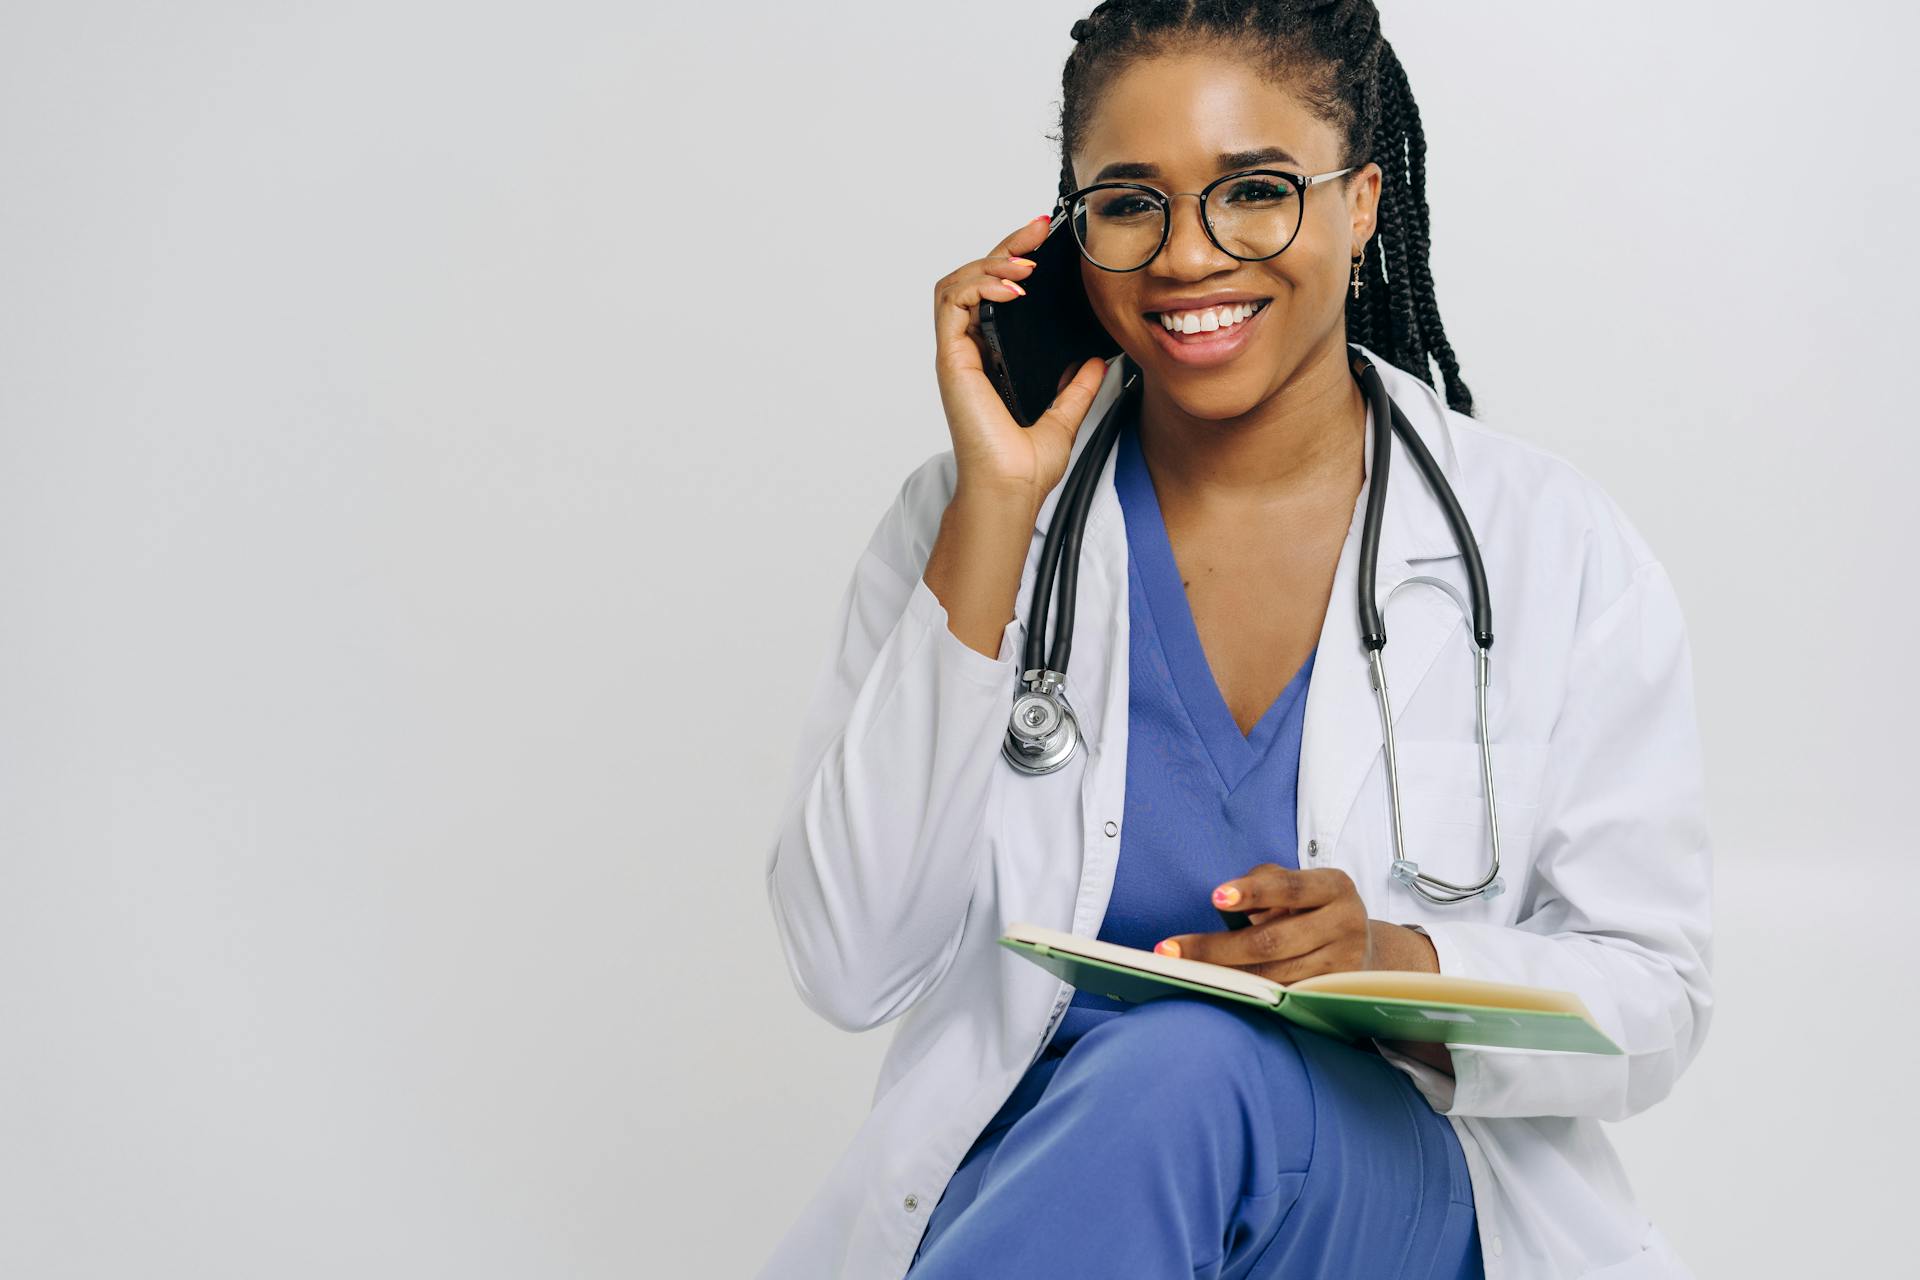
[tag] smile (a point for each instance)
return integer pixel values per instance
(1208, 319)
(1207, 335)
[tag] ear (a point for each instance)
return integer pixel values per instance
(1363, 202)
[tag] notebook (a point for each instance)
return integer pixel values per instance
(1388, 1003)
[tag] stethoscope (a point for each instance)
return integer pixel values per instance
(1044, 732)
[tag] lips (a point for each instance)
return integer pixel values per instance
(1207, 348)
(1209, 318)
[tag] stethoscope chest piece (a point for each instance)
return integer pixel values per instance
(1042, 731)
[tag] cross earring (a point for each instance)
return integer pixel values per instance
(1356, 270)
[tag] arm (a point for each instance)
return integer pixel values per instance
(874, 860)
(1621, 894)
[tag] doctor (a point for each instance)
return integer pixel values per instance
(1232, 747)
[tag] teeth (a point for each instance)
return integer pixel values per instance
(1208, 319)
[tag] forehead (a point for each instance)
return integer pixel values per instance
(1180, 112)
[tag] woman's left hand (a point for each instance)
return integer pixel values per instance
(1302, 923)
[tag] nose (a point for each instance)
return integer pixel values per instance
(1189, 253)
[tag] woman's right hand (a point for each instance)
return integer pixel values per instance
(994, 454)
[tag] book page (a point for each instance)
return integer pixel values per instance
(1444, 988)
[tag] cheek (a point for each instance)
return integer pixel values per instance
(1108, 294)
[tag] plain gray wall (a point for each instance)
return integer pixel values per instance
(428, 475)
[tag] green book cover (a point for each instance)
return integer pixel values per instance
(1389, 1004)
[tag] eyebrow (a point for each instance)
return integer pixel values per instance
(1228, 161)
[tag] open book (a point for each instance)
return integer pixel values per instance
(1388, 1003)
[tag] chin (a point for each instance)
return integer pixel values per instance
(1216, 393)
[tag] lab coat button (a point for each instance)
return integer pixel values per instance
(1496, 1246)
(1313, 850)
(1113, 828)
(912, 1202)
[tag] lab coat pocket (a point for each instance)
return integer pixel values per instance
(1444, 809)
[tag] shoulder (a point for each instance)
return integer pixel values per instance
(1541, 511)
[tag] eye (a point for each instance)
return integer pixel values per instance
(1255, 192)
(1121, 206)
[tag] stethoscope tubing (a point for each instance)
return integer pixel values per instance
(1075, 502)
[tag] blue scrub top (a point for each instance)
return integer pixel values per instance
(1204, 803)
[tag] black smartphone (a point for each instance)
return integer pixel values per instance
(1031, 341)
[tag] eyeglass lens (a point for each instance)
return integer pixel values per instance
(1121, 228)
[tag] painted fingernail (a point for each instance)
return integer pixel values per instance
(1226, 895)
(1025, 262)
(1045, 217)
(1168, 949)
(1016, 288)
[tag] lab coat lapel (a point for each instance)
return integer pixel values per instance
(1341, 738)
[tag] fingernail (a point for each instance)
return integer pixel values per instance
(1169, 949)
(1045, 217)
(1226, 895)
(1016, 288)
(1025, 262)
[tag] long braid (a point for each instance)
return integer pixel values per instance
(1426, 305)
(1333, 53)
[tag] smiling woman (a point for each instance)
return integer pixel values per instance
(1243, 187)
(1208, 91)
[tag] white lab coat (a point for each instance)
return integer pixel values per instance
(907, 842)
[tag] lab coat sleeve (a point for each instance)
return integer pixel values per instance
(873, 863)
(1620, 903)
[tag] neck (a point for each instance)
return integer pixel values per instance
(1309, 432)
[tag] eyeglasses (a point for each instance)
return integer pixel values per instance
(1251, 215)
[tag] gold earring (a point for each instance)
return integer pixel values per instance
(1356, 270)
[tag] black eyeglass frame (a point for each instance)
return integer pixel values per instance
(1298, 181)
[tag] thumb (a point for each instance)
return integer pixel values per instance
(1063, 417)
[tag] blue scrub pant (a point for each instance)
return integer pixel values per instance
(1189, 1136)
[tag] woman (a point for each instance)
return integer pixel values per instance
(1232, 748)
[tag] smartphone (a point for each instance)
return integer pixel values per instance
(1031, 341)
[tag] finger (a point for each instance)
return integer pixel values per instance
(957, 295)
(1025, 238)
(955, 301)
(1075, 397)
(1266, 943)
(1009, 268)
(1272, 885)
(1330, 958)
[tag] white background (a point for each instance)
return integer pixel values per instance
(433, 441)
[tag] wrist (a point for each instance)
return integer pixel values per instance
(1399, 946)
(1015, 502)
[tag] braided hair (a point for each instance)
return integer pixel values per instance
(1332, 53)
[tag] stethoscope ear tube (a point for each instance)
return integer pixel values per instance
(1457, 521)
(1373, 631)
(1063, 541)
(1097, 450)
(1389, 421)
